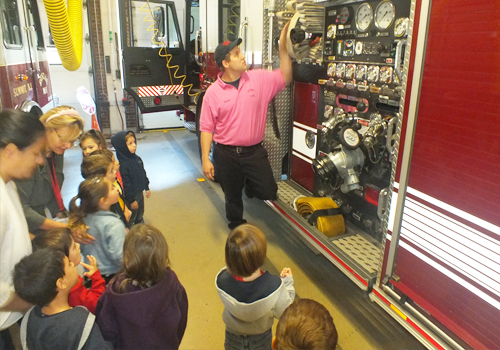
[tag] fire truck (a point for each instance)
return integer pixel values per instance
(24, 69)
(385, 149)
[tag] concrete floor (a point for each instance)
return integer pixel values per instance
(190, 213)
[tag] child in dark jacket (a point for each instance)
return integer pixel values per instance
(145, 306)
(61, 239)
(252, 298)
(135, 180)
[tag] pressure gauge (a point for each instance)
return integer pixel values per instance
(384, 14)
(345, 14)
(331, 31)
(349, 71)
(331, 69)
(372, 73)
(400, 27)
(364, 17)
(386, 75)
(361, 72)
(340, 70)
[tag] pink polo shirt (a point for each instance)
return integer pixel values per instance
(237, 117)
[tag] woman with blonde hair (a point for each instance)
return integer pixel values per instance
(41, 195)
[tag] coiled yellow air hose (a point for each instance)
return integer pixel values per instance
(66, 26)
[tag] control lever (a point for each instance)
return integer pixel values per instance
(397, 60)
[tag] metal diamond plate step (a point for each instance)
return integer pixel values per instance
(360, 250)
(287, 193)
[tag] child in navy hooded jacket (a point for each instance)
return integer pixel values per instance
(135, 180)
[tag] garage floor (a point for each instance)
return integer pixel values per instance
(191, 215)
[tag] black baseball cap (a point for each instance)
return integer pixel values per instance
(223, 49)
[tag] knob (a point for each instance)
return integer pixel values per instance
(361, 106)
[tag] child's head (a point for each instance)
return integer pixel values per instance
(108, 153)
(305, 325)
(98, 165)
(145, 256)
(246, 249)
(131, 142)
(96, 193)
(91, 141)
(60, 239)
(39, 277)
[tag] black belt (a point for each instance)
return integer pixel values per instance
(240, 149)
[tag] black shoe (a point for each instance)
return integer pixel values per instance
(248, 189)
(232, 225)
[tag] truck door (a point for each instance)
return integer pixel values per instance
(154, 56)
(445, 245)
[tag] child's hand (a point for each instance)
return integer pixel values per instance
(134, 205)
(92, 268)
(148, 193)
(80, 235)
(286, 272)
(127, 213)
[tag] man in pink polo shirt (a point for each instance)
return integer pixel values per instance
(233, 115)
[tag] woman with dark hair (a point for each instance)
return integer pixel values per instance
(41, 195)
(22, 149)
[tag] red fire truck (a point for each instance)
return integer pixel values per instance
(24, 70)
(391, 120)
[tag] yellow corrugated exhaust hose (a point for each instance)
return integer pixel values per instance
(331, 225)
(66, 26)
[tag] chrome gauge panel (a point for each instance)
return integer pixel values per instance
(372, 74)
(364, 17)
(385, 14)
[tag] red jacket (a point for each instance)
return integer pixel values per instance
(79, 295)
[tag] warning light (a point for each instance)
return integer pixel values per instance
(157, 100)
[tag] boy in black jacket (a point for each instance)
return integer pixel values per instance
(135, 180)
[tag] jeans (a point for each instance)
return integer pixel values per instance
(249, 342)
(234, 168)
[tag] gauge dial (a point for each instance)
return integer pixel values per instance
(331, 69)
(364, 17)
(331, 31)
(345, 14)
(349, 71)
(384, 14)
(386, 75)
(361, 72)
(372, 74)
(340, 70)
(400, 27)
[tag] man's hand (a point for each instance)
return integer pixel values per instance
(148, 193)
(92, 268)
(134, 205)
(208, 169)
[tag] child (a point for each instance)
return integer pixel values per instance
(135, 180)
(45, 279)
(96, 197)
(61, 239)
(91, 141)
(100, 163)
(305, 325)
(145, 306)
(252, 298)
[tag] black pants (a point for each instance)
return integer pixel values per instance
(233, 166)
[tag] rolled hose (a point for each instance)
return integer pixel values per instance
(66, 25)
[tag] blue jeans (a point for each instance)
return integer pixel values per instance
(248, 342)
